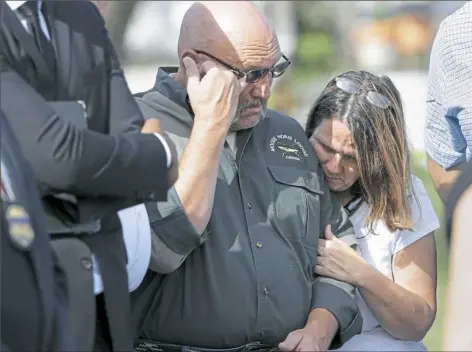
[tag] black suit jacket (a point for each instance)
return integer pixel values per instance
(33, 285)
(109, 159)
(108, 166)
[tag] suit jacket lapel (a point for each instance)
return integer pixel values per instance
(60, 37)
(27, 41)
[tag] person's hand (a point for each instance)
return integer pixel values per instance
(301, 340)
(151, 126)
(214, 98)
(339, 261)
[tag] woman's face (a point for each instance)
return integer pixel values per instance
(334, 147)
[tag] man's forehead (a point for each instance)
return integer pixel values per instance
(258, 56)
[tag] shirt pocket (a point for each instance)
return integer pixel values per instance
(296, 202)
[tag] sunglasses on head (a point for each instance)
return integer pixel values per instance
(375, 98)
(252, 76)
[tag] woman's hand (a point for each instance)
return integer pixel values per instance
(339, 261)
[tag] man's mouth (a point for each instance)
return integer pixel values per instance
(252, 110)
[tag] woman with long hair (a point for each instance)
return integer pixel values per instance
(357, 130)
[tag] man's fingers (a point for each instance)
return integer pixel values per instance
(319, 270)
(290, 343)
(306, 345)
(207, 66)
(191, 70)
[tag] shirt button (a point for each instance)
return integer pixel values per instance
(261, 334)
(249, 205)
(259, 244)
(266, 291)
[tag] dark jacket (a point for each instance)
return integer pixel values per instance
(33, 285)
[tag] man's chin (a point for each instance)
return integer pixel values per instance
(245, 122)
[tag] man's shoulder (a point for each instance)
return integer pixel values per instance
(458, 24)
(451, 50)
(76, 9)
(277, 118)
(173, 119)
(461, 14)
(73, 13)
(153, 102)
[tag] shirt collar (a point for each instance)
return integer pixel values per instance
(14, 5)
(170, 88)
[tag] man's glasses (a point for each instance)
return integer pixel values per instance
(373, 97)
(255, 75)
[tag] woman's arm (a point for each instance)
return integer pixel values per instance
(406, 308)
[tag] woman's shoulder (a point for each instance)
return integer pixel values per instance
(425, 219)
(417, 187)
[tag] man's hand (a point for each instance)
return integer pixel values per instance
(317, 334)
(301, 340)
(214, 98)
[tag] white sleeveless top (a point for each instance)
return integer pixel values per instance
(378, 250)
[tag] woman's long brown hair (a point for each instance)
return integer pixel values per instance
(381, 143)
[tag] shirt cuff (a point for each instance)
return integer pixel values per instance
(166, 147)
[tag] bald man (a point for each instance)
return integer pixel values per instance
(235, 245)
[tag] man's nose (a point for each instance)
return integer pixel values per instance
(263, 88)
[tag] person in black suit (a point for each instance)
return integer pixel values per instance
(87, 166)
(64, 54)
(33, 286)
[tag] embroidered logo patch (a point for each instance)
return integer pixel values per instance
(288, 146)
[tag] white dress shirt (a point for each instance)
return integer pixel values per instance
(134, 220)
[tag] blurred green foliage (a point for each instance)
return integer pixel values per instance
(316, 53)
(317, 49)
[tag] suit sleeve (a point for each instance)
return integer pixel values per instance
(83, 162)
(125, 115)
(336, 296)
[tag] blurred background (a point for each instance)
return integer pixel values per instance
(323, 38)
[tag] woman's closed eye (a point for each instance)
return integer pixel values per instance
(332, 152)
